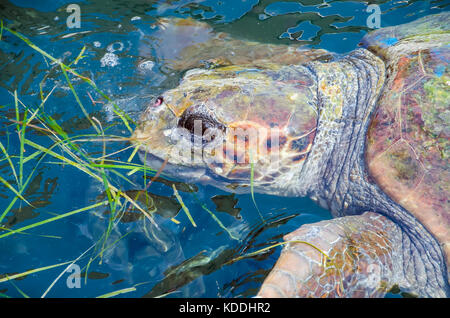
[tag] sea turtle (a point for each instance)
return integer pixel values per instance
(366, 135)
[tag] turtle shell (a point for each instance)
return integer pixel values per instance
(408, 140)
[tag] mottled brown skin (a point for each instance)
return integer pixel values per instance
(397, 167)
(408, 141)
(407, 155)
(358, 262)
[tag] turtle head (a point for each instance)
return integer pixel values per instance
(222, 125)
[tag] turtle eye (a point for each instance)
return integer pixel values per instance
(158, 101)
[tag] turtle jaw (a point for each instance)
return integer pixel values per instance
(200, 173)
(191, 174)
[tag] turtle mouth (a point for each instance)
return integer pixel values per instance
(201, 124)
(203, 175)
(186, 173)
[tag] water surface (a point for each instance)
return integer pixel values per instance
(175, 260)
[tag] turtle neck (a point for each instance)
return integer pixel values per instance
(336, 174)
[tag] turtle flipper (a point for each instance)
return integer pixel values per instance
(363, 259)
(184, 44)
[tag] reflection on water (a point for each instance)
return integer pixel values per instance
(125, 56)
(205, 264)
(227, 204)
(313, 22)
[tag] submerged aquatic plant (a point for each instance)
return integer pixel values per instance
(67, 149)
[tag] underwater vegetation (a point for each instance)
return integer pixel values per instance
(74, 194)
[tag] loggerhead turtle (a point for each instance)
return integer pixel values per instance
(366, 135)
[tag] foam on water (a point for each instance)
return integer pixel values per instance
(109, 59)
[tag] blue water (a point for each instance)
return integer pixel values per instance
(118, 37)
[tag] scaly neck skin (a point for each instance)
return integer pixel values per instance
(335, 175)
(357, 81)
(347, 93)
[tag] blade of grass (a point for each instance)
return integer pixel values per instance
(33, 155)
(59, 276)
(128, 167)
(133, 171)
(121, 291)
(167, 294)
(9, 161)
(8, 208)
(113, 153)
(78, 99)
(6, 183)
(21, 132)
(18, 289)
(175, 221)
(103, 250)
(219, 222)
(80, 56)
(273, 246)
(183, 206)
(112, 198)
(117, 292)
(31, 271)
(133, 154)
(117, 110)
(25, 233)
(61, 216)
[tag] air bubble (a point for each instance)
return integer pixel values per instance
(109, 59)
(147, 65)
(116, 46)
